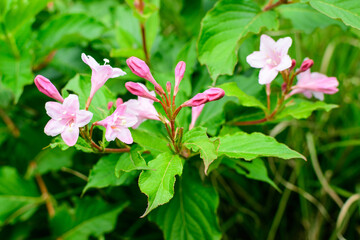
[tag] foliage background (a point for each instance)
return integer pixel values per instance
(48, 39)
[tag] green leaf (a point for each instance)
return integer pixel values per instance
(232, 89)
(103, 174)
(131, 161)
(197, 140)
(53, 160)
(346, 10)
(91, 217)
(158, 184)
(191, 214)
(305, 18)
(81, 85)
(155, 144)
(251, 146)
(301, 108)
(224, 27)
(80, 145)
(69, 28)
(19, 198)
(255, 169)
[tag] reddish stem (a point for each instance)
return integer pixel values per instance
(9, 123)
(271, 5)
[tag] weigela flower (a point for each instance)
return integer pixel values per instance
(195, 113)
(316, 84)
(66, 119)
(140, 90)
(117, 125)
(272, 58)
(100, 73)
(179, 74)
(46, 87)
(197, 100)
(214, 94)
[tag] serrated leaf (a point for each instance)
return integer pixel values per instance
(255, 169)
(19, 198)
(251, 146)
(131, 161)
(232, 89)
(191, 214)
(197, 140)
(53, 160)
(224, 27)
(158, 184)
(103, 174)
(91, 217)
(301, 108)
(346, 10)
(305, 18)
(150, 141)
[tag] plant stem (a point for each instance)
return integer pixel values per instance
(75, 173)
(46, 61)
(272, 5)
(143, 37)
(9, 123)
(44, 193)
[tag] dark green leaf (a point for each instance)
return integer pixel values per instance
(131, 161)
(53, 160)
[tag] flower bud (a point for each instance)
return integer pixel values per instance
(293, 64)
(110, 104)
(46, 87)
(197, 100)
(308, 63)
(214, 94)
(139, 90)
(283, 87)
(141, 69)
(168, 87)
(119, 101)
(179, 74)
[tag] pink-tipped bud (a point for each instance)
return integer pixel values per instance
(195, 113)
(141, 69)
(119, 101)
(283, 87)
(197, 100)
(293, 64)
(46, 87)
(110, 104)
(168, 87)
(214, 94)
(140, 90)
(179, 74)
(308, 63)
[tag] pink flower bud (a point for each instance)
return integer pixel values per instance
(195, 113)
(110, 104)
(179, 74)
(283, 87)
(46, 87)
(141, 69)
(140, 90)
(197, 100)
(293, 64)
(119, 101)
(308, 63)
(214, 94)
(168, 87)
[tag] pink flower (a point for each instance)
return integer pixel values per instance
(214, 94)
(195, 113)
(142, 108)
(197, 100)
(117, 125)
(314, 84)
(100, 73)
(307, 63)
(66, 119)
(179, 74)
(272, 58)
(140, 90)
(46, 87)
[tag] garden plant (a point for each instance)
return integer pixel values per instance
(179, 119)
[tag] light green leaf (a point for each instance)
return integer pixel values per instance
(305, 18)
(150, 141)
(131, 161)
(197, 140)
(255, 169)
(232, 89)
(191, 214)
(224, 27)
(158, 184)
(103, 174)
(251, 146)
(346, 10)
(53, 160)
(80, 145)
(91, 217)
(19, 198)
(301, 108)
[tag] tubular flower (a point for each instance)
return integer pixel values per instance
(314, 84)
(46, 87)
(66, 119)
(179, 74)
(100, 73)
(117, 125)
(195, 113)
(197, 100)
(140, 90)
(272, 58)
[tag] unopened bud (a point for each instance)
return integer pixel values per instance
(293, 64)
(119, 101)
(46, 87)
(308, 63)
(197, 100)
(140, 90)
(214, 94)
(283, 86)
(179, 74)
(109, 106)
(168, 87)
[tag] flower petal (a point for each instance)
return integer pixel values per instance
(257, 59)
(282, 45)
(117, 72)
(54, 127)
(83, 117)
(89, 61)
(70, 135)
(54, 110)
(71, 104)
(110, 134)
(267, 75)
(267, 45)
(319, 95)
(284, 64)
(124, 135)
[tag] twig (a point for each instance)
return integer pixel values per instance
(75, 173)
(9, 123)
(44, 193)
(272, 5)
